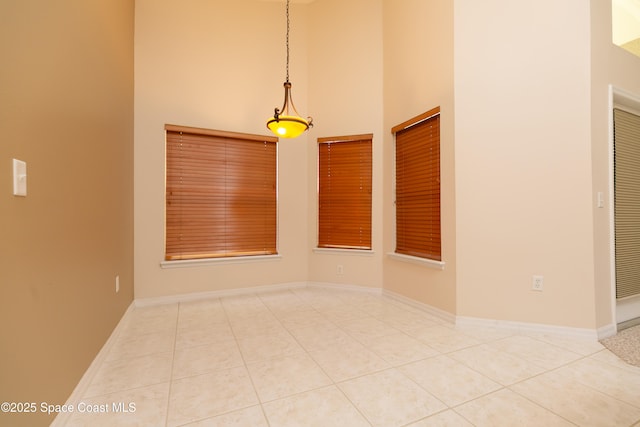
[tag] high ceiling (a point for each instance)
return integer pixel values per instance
(626, 21)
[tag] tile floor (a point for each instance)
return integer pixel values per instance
(324, 357)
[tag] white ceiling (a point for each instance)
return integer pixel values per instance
(626, 21)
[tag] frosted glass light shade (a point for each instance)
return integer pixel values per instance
(286, 123)
(287, 126)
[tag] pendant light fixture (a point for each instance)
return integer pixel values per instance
(286, 122)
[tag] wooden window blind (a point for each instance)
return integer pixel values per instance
(418, 186)
(220, 194)
(344, 192)
(627, 202)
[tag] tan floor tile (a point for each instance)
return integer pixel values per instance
(577, 402)
(389, 398)
(201, 313)
(268, 346)
(506, 408)
(204, 396)
(126, 374)
(241, 304)
(317, 408)
(340, 312)
(149, 322)
(451, 381)
(146, 406)
(540, 353)
(129, 346)
(429, 333)
(447, 418)
(485, 333)
(203, 334)
(301, 319)
(407, 320)
(583, 346)
(282, 377)
(398, 349)
(201, 321)
(367, 327)
(206, 358)
(623, 384)
(501, 367)
(321, 337)
(348, 360)
(443, 337)
(153, 314)
(211, 362)
(249, 417)
(283, 300)
(252, 326)
(200, 307)
(371, 304)
(611, 359)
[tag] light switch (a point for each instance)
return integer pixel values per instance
(19, 178)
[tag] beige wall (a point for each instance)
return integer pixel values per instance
(233, 82)
(67, 110)
(217, 65)
(345, 98)
(610, 65)
(523, 161)
(518, 184)
(532, 145)
(418, 76)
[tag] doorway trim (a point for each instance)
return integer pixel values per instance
(623, 311)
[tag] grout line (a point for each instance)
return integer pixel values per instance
(173, 359)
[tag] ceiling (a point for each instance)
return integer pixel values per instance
(625, 21)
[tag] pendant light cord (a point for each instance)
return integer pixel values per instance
(287, 40)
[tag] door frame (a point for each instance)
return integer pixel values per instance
(626, 308)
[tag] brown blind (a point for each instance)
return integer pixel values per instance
(220, 194)
(344, 192)
(418, 187)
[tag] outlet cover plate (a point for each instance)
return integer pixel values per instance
(537, 283)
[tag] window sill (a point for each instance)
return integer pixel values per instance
(218, 261)
(336, 251)
(439, 265)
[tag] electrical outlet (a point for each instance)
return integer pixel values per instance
(538, 283)
(340, 269)
(117, 284)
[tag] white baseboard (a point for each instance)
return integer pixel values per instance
(522, 327)
(345, 287)
(607, 331)
(76, 396)
(195, 296)
(525, 327)
(429, 309)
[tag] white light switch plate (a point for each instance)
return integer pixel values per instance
(19, 178)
